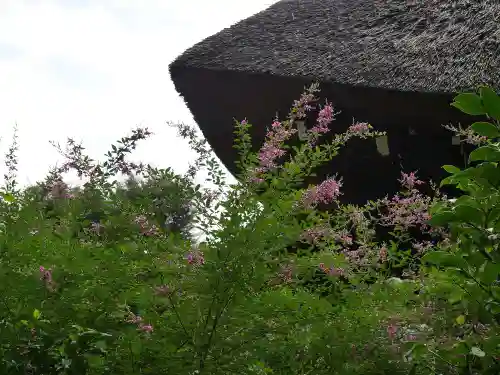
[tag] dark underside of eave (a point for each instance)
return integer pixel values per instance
(216, 98)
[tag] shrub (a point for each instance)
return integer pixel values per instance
(95, 282)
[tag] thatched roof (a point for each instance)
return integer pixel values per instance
(393, 63)
(409, 45)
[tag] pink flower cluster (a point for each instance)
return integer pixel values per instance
(146, 228)
(408, 211)
(356, 257)
(137, 320)
(345, 239)
(382, 254)
(410, 180)
(332, 271)
(303, 105)
(359, 128)
(327, 192)
(279, 133)
(422, 247)
(195, 258)
(400, 333)
(315, 234)
(46, 277)
(392, 329)
(271, 150)
(325, 117)
(286, 273)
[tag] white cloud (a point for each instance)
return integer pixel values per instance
(94, 69)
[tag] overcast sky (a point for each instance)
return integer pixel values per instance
(95, 69)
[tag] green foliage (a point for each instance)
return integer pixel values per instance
(96, 280)
(472, 261)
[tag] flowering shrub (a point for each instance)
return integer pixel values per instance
(101, 279)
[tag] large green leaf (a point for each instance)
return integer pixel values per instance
(444, 259)
(489, 272)
(469, 214)
(486, 153)
(489, 172)
(451, 169)
(469, 103)
(442, 218)
(491, 102)
(486, 129)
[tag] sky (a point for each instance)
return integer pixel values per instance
(95, 69)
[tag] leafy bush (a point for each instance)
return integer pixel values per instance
(107, 278)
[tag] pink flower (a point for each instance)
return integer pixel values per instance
(303, 105)
(411, 337)
(314, 235)
(268, 154)
(346, 239)
(325, 117)
(332, 271)
(145, 227)
(382, 254)
(359, 128)
(271, 149)
(276, 124)
(391, 331)
(137, 320)
(286, 273)
(134, 319)
(46, 275)
(256, 180)
(327, 192)
(145, 328)
(195, 258)
(335, 271)
(408, 211)
(409, 180)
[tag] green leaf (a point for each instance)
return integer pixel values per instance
(489, 272)
(491, 102)
(486, 153)
(442, 218)
(36, 314)
(469, 214)
(450, 180)
(460, 320)
(456, 295)
(451, 169)
(8, 197)
(469, 103)
(444, 259)
(475, 351)
(101, 345)
(486, 129)
(487, 171)
(494, 217)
